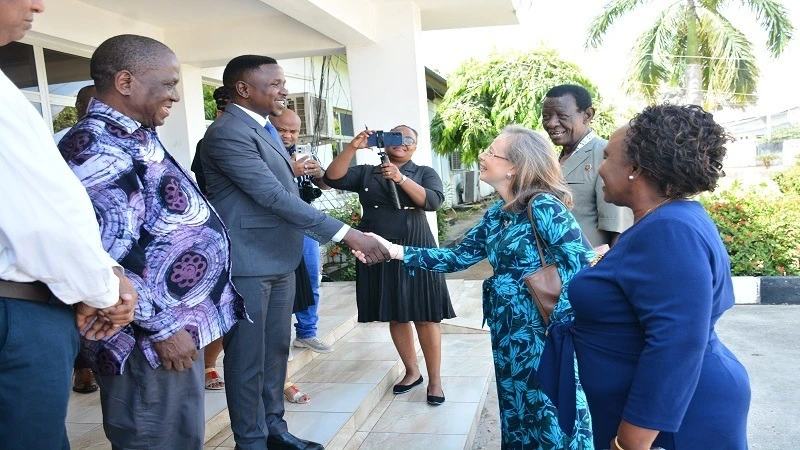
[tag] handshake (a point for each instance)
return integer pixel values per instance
(386, 250)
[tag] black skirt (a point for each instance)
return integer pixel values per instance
(387, 292)
(303, 296)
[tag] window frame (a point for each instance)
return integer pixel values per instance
(44, 98)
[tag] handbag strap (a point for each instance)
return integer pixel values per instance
(539, 240)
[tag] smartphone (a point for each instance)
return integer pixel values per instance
(383, 139)
(301, 151)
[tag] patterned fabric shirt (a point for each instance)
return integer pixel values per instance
(155, 222)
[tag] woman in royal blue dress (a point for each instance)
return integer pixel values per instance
(519, 164)
(651, 365)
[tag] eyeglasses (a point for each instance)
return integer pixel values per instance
(408, 140)
(489, 152)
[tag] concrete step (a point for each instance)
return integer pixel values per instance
(407, 421)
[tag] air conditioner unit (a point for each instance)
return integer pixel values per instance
(306, 106)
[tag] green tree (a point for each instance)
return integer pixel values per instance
(209, 105)
(65, 118)
(783, 134)
(508, 88)
(692, 45)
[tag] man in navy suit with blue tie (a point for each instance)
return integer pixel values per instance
(250, 182)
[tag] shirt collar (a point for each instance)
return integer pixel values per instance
(257, 117)
(111, 115)
(586, 139)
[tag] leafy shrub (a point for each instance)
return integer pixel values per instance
(760, 231)
(343, 264)
(443, 219)
(788, 180)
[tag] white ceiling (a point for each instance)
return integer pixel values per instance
(205, 33)
(182, 13)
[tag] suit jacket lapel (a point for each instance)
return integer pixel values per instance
(261, 132)
(577, 159)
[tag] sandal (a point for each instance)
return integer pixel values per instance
(293, 394)
(214, 382)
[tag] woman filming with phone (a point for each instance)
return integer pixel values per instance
(387, 292)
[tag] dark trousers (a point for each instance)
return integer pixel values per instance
(38, 344)
(146, 408)
(255, 359)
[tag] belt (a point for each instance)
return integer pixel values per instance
(35, 292)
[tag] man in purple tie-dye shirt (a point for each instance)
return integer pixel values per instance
(155, 222)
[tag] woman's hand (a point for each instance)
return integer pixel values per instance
(360, 141)
(391, 172)
(383, 241)
(395, 251)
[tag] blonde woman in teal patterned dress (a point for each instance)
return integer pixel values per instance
(519, 164)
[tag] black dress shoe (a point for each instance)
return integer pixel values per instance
(287, 441)
(434, 400)
(403, 388)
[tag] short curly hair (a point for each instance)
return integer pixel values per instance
(678, 147)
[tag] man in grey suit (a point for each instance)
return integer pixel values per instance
(567, 113)
(250, 182)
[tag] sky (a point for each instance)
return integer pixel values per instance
(562, 26)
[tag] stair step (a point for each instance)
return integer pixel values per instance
(407, 421)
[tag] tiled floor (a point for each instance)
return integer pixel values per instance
(352, 405)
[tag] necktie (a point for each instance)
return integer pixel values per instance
(272, 131)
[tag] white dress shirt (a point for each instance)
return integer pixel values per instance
(263, 122)
(48, 229)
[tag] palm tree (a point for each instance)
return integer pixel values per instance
(694, 47)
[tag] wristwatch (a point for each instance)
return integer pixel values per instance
(402, 180)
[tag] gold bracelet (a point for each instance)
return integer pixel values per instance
(616, 443)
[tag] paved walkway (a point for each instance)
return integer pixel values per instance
(352, 406)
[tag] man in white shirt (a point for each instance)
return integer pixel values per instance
(50, 257)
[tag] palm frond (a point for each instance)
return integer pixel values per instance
(730, 71)
(651, 66)
(611, 12)
(774, 19)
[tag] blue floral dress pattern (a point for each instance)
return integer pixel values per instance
(528, 419)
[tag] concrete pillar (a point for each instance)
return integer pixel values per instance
(186, 122)
(387, 81)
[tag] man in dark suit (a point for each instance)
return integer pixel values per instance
(250, 182)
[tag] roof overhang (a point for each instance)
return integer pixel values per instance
(205, 33)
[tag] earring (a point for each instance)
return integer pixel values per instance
(508, 176)
(630, 177)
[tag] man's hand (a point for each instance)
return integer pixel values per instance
(373, 251)
(121, 314)
(383, 241)
(299, 166)
(395, 250)
(177, 352)
(90, 325)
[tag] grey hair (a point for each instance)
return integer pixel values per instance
(136, 54)
(537, 168)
